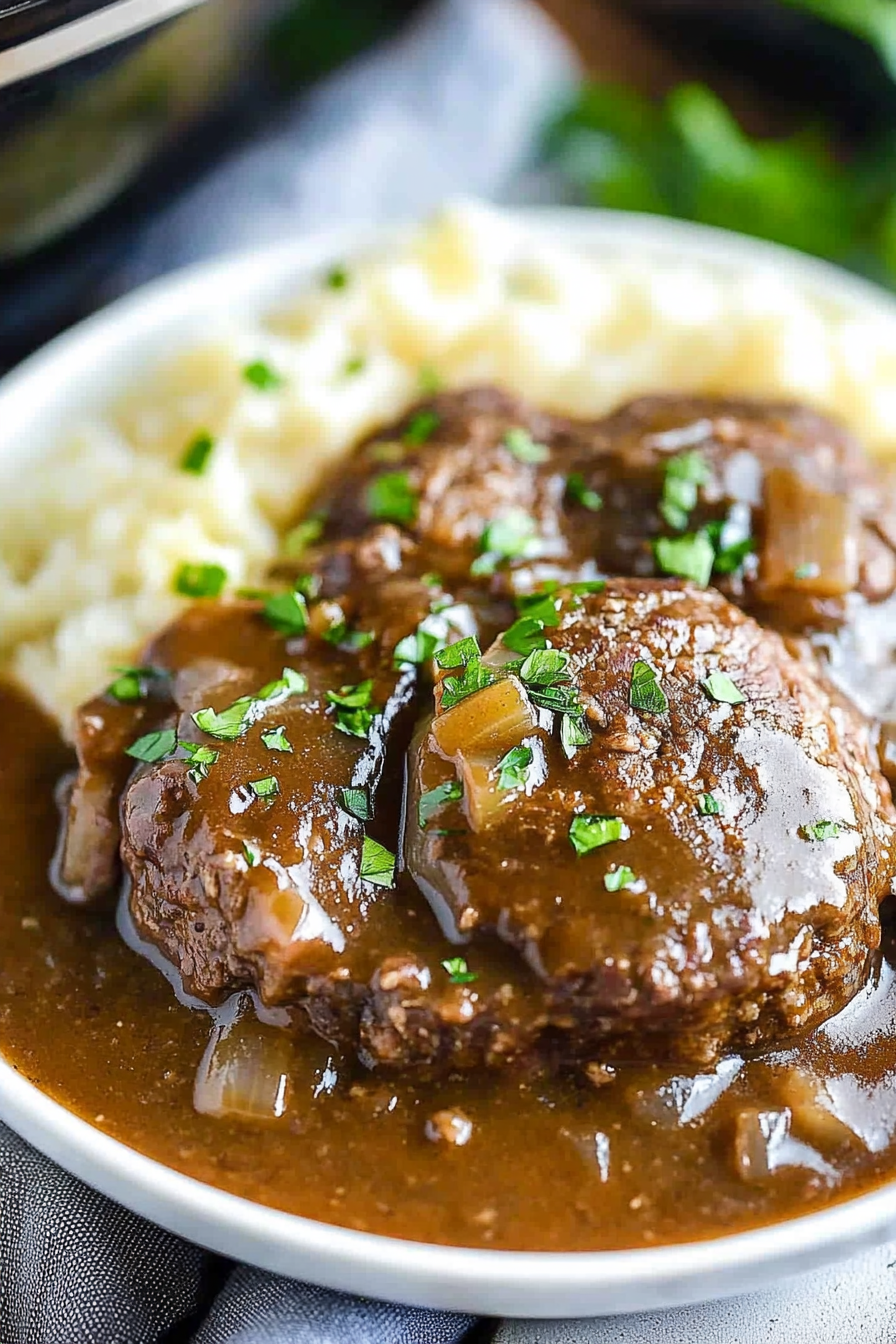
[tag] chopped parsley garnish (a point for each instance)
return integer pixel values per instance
(268, 787)
(154, 747)
(810, 570)
(251, 854)
(391, 498)
(287, 613)
(421, 428)
(432, 800)
(525, 636)
(427, 640)
(541, 604)
(645, 691)
(337, 277)
(345, 638)
(587, 587)
(275, 739)
(719, 686)
(458, 972)
(580, 492)
(197, 453)
(688, 557)
(130, 683)
(545, 666)
(237, 719)
(512, 537)
(355, 365)
(354, 713)
(709, 805)
(377, 864)
(195, 580)
(574, 733)
(524, 448)
(356, 802)
(459, 653)
(513, 769)
(428, 380)
(619, 879)
(201, 760)
(587, 832)
(303, 535)
(684, 475)
(262, 376)
(474, 677)
(730, 559)
(821, 830)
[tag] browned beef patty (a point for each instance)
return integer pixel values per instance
(704, 873)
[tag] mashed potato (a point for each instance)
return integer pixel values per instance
(90, 545)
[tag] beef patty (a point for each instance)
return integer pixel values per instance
(697, 865)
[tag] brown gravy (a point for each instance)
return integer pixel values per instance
(551, 1164)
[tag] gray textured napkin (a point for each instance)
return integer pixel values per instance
(451, 107)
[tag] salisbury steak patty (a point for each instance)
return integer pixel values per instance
(697, 865)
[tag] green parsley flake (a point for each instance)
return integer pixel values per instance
(427, 640)
(433, 800)
(544, 666)
(201, 760)
(337, 277)
(709, 805)
(268, 787)
(287, 613)
(377, 864)
(198, 453)
(821, 830)
(421, 428)
(619, 879)
(512, 537)
(130, 683)
(810, 570)
(303, 535)
(236, 720)
(719, 686)
(355, 365)
(580, 493)
(574, 733)
(684, 475)
(513, 769)
(251, 854)
(262, 376)
(587, 832)
(475, 677)
(197, 580)
(154, 747)
(645, 691)
(541, 604)
(354, 713)
(428, 380)
(356, 802)
(458, 972)
(275, 739)
(525, 636)
(459, 653)
(392, 499)
(688, 557)
(521, 444)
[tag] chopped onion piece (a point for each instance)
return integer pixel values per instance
(491, 720)
(244, 1073)
(811, 538)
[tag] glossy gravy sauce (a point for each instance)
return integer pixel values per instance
(647, 1157)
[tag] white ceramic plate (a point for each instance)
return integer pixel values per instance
(80, 371)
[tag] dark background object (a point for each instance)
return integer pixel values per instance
(89, 150)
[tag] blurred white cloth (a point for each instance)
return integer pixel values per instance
(454, 106)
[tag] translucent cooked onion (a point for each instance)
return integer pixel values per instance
(811, 538)
(245, 1072)
(491, 720)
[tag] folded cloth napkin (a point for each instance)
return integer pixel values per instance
(453, 106)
